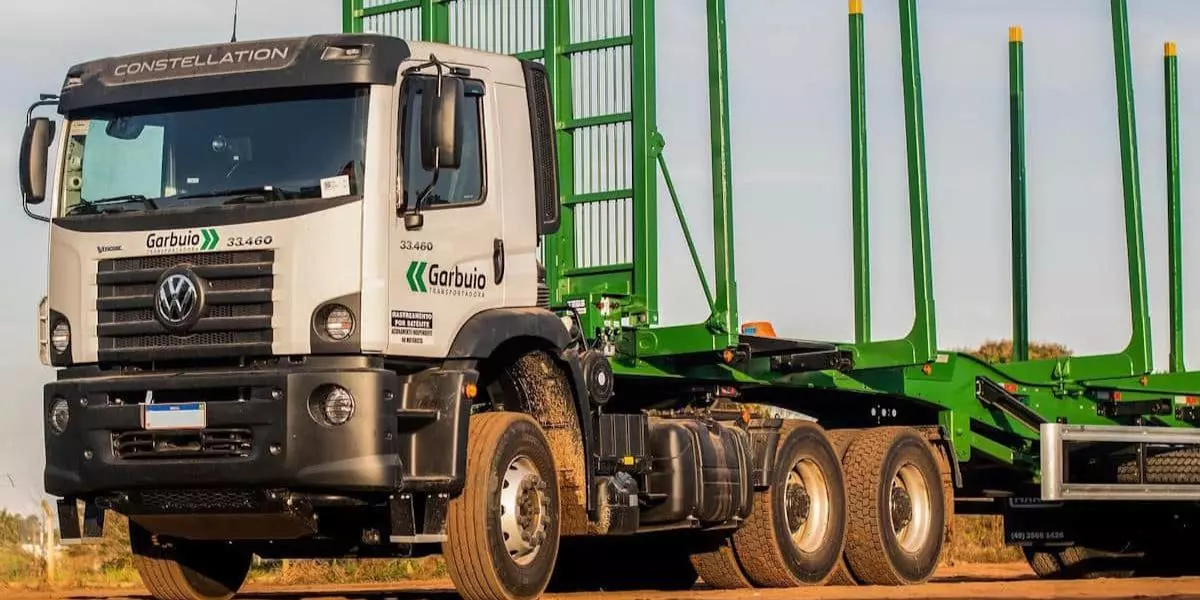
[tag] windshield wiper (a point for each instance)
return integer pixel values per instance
(264, 193)
(115, 200)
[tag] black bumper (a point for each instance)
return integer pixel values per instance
(264, 413)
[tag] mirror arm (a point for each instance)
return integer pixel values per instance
(43, 100)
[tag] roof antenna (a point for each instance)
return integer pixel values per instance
(235, 15)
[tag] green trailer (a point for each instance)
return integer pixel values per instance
(394, 291)
(1004, 429)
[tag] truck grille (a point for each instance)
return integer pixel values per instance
(236, 320)
(204, 443)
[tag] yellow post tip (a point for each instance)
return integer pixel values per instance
(1170, 49)
(1016, 34)
(856, 7)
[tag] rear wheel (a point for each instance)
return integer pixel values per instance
(795, 533)
(717, 565)
(897, 511)
(1077, 562)
(186, 570)
(840, 439)
(503, 530)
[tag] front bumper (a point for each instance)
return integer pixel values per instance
(260, 432)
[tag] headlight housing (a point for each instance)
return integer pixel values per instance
(331, 405)
(338, 322)
(60, 416)
(60, 337)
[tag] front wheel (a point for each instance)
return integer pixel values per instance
(187, 570)
(503, 530)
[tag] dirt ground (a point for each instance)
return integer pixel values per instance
(975, 582)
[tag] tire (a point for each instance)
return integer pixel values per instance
(622, 563)
(1077, 562)
(184, 570)
(510, 476)
(1173, 467)
(796, 531)
(718, 566)
(877, 462)
(841, 439)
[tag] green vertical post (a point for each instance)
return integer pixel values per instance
(1138, 350)
(858, 158)
(435, 21)
(725, 308)
(1174, 206)
(645, 171)
(351, 19)
(1020, 235)
(923, 335)
(560, 247)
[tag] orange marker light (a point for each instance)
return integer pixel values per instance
(470, 391)
(727, 356)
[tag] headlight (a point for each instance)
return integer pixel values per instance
(339, 323)
(60, 415)
(60, 337)
(331, 405)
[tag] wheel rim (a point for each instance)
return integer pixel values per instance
(806, 505)
(523, 504)
(911, 507)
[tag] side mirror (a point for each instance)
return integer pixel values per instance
(441, 142)
(35, 150)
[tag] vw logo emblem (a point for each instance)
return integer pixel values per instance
(178, 299)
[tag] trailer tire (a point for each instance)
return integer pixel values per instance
(878, 460)
(796, 531)
(841, 439)
(503, 530)
(1173, 467)
(183, 570)
(1077, 562)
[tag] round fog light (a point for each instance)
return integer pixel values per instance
(60, 415)
(60, 337)
(339, 323)
(332, 405)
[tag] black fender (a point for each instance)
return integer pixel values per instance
(485, 332)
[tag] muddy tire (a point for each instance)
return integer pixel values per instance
(503, 530)
(183, 570)
(718, 566)
(1077, 562)
(795, 533)
(841, 438)
(897, 512)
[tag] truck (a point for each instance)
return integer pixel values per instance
(284, 324)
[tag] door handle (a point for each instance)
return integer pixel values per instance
(498, 260)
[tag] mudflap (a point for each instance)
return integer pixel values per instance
(1032, 521)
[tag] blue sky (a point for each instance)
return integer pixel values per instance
(790, 163)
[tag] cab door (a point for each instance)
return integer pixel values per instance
(452, 266)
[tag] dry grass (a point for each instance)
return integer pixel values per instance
(979, 539)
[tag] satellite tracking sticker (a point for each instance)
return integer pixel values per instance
(413, 327)
(335, 187)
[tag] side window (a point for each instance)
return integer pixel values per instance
(460, 186)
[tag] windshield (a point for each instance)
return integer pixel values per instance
(189, 152)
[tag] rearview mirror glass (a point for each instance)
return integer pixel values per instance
(35, 150)
(441, 126)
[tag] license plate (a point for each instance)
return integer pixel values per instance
(174, 416)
